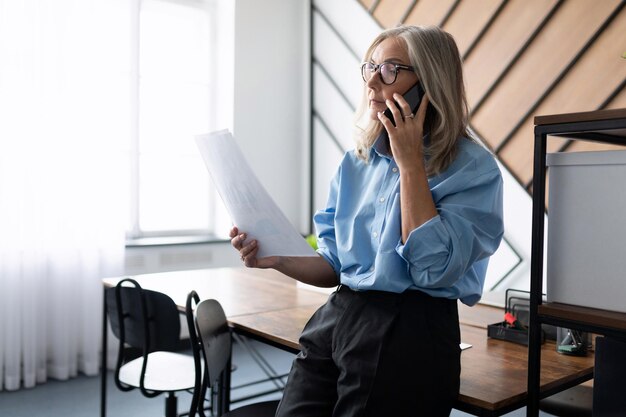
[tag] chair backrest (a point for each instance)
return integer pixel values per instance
(143, 319)
(215, 337)
(201, 385)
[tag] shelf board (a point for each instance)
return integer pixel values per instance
(584, 315)
(590, 116)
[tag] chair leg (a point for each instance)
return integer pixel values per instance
(171, 408)
(103, 368)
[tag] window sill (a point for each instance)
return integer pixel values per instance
(174, 241)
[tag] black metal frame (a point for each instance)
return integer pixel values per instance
(482, 412)
(103, 359)
(201, 385)
(587, 130)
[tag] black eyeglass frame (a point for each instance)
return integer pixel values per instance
(377, 67)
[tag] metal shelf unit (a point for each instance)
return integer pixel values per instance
(607, 126)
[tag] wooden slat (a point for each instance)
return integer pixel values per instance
(595, 77)
(553, 49)
(367, 3)
(429, 12)
(389, 13)
(585, 146)
(586, 315)
(619, 102)
(586, 116)
(468, 20)
(518, 155)
(514, 26)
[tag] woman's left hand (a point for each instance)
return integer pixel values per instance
(406, 138)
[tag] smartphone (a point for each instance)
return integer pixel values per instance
(413, 96)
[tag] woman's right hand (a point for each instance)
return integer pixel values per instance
(314, 270)
(248, 250)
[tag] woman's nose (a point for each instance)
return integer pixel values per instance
(374, 80)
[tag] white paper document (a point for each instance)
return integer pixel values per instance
(250, 207)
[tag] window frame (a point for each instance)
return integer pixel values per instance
(135, 235)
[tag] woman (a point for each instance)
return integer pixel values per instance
(410, 223)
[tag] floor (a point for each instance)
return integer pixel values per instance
(80, 396)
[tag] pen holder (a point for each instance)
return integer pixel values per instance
(572, 342)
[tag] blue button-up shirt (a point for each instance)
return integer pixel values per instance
(360, 231)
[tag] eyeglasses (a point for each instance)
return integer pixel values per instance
(388, 71)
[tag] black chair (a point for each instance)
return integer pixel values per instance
(147, 324)
(574, 402)
(201, 384)
(213, 344)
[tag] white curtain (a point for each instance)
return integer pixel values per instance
(64, 129)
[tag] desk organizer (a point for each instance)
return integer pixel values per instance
(503, 331)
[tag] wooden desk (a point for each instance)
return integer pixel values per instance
(493, 372)
(241, 291)
(267, 306)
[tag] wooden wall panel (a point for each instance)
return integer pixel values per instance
(549, 54)
(514, 26)
(524, 58)
(619, 102)
(468, 21)
(518, 157)
(596, 75)
(429, 12)
(389, 13)
(584, 146)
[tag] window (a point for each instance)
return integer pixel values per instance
(173, 96)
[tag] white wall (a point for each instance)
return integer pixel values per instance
(271, 105)
(265, 62)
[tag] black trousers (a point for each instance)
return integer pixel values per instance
(373, 353)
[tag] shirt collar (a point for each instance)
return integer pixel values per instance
(381, 147)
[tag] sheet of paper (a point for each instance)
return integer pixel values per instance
(250, 207)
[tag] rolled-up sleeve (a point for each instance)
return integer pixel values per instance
(325, 227)
(469, 227)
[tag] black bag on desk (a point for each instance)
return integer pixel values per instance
(609, 383)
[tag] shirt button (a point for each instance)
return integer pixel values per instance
(394, 169)
(381, 199)
(375, 234)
